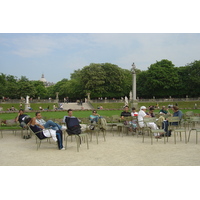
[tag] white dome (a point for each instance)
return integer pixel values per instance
(43, 79)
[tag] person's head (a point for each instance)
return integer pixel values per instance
(133, 109)
(151, 110)
(38, 115)
(94, 112)
(21, 111)
(163, 107)
(143, 108)
(70, 112)
(175, 108)
(126, 108)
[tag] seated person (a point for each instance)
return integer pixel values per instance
(151, 109)
(70, 114)
(43, 133)
(134, 113)
(94, 117)
(48, 124)
(141, 115)
(134, 122)
(177, 113)
(125, 114)
(20, 117)
(164, 111)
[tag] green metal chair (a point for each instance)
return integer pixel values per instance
(176, 128)
(194, 121)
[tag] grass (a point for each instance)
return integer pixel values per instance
(34, 106)
(115, 109)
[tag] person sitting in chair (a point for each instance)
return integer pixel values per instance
(43, 133)
(48, 124)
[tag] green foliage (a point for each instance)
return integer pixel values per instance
(162, 79)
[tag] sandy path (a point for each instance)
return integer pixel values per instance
(116, 151)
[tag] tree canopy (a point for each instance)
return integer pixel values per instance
(162, 79)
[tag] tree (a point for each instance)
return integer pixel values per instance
(40, 89)
(25, 87)
(162, 79)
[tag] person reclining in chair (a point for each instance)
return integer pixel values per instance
(48, 124)
(43, 133)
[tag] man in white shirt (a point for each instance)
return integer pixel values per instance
(141, 115)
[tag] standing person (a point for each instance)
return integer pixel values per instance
(42, 133)
(141, 115)
(48, 124)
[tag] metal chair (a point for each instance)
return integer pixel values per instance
(151, 131)
(174, 125)
(194, 122)
(38, 140)
(73, 129)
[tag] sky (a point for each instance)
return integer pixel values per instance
(57, 55)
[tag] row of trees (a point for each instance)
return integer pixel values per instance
(162, 79)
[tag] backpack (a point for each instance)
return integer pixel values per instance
(73, 126)
(102, 123)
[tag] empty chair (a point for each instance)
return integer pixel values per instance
(194, 122)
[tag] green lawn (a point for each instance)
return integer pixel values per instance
(184, 106)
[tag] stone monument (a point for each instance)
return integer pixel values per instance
(27, 104)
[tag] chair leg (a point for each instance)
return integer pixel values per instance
(189, 135)
(174, 137)
(196, 137)
(185, 138)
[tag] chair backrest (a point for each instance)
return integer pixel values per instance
(73, 126)
(38, 134)
(189, 113)
(102, 123)
(115, 118)
(149, 120)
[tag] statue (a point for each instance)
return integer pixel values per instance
(27, 99)
(133, 68)
(126, 101)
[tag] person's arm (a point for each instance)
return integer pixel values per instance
(17, 118)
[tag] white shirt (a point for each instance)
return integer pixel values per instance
(141, 115)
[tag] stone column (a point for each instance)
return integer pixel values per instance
(134, 100)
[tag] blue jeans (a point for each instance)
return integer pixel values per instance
(59, 137)
(52, 125)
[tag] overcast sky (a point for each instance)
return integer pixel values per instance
(58, 55)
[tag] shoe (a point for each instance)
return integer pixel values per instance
(63, 148)
(157, 137)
